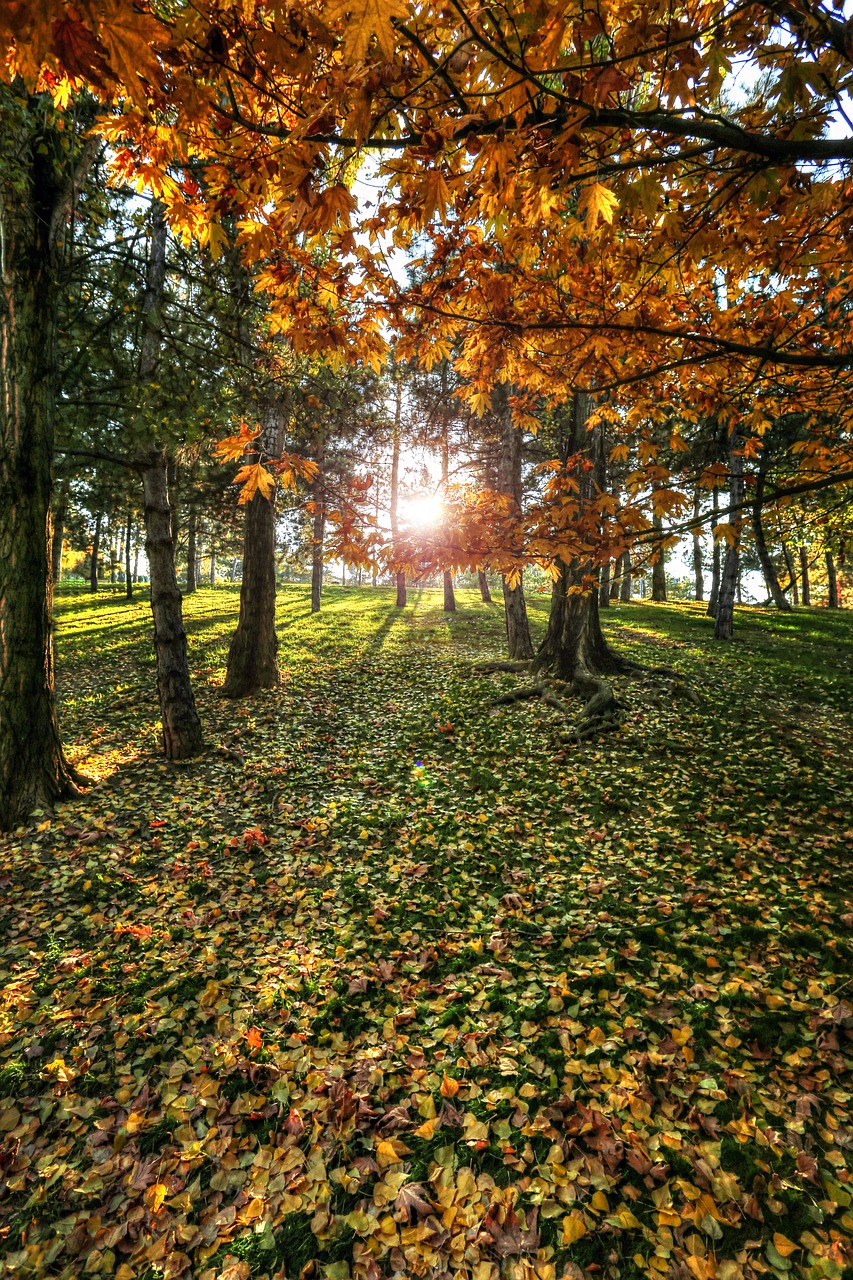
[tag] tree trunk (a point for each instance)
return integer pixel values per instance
(449, 597)
(182, 736)
(191, 551)
(659, 566)
(730, 577)
(135, 562)
(716, 561)
(625, 592)
(400, 602)
(768, 568)
(604, 586)
(698, 575)
(804, 577)
(483, 583)
(833, 601)
(212, 578)
(128, 580)
(253, 655)
(792, 574)
(96, 554)
(58, 534)
(519, 644)
(317, 540)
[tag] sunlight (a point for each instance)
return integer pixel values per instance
(423, 510)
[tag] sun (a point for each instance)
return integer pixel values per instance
(423, 510)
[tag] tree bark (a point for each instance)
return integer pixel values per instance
(792, 574)
(730, 577)
(191, 551)
(604, 586)
(96, 554)
(212, 577)
(483, 583)
(128, 579)
(182, 734)
(253, 654)
(519, 644)
(659, 566)
(833, 601)
(400, 602)
(58, 533)
(715, 562)
(625, 592)
(768, 568)
(317, 538)
(449, 596)
(804, 577)
(698, 575)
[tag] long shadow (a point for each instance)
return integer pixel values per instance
(377, 640)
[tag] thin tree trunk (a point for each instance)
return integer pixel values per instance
(400, 602)
(58, 535)
(483, 583)
(212, 578)
(715, 562)
(833, 601)
(768, 568)
(804, 577)
(792, 574)
(698, 575)
(449, 596)
(191, 551)
(33, 194)
(730, 577)
(253, 653)
(96, 554)
(519, 644)
(318, 537)
(604, 586)
(659, 566)
(128, 580)
(625, 593)
(114, 556)
(182, 734)
(135, 562)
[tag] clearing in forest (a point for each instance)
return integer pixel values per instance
(394, 982)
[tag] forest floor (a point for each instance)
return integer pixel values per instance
(392, 982)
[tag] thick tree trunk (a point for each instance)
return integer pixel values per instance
(449, 596)
(519, 644)
(659, 566)
(96, 554)
(483, 583)
(715, 562)
(792, 574)
(833, 601)
(317, 539)
(182, 736)
(804, 577)
(400, 602)
(191, 551)
(730, 577)
(698, 575)
(604, 586)
(768, 568)
(128, 579)
(625, 590)
(58, 533)
(253, 655)
(574, 647)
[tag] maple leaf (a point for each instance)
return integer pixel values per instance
(411, 1201)
(597, 201)
(254, 478)
(364, 19)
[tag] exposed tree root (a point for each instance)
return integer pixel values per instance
(488, 668)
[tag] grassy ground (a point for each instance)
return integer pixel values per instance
(392, 983)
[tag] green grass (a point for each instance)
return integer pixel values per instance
(637, 946)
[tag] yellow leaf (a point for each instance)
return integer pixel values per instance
(390, 1153)
(364, 19)
(597, 201)
(449, 1087)
(427, 1129)
(574, 1228)
(783, 1245)
(154, 1196)
(254, 478)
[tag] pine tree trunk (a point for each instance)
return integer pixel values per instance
(400, 602)
(792, 574)
(730, 577)
(659, 566)
(58, 532)
(182, 736)
(768, 568)
(625, 591)
(212, 578)
(698, 575)
(449, 597)
(519, 644)
(715, 563)
(604, 586)
(96, 555)
(483, 583)
(804, 577)
(317, 540)
(253, 654)
(833, 601)
(191, 551)
(128, 579)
